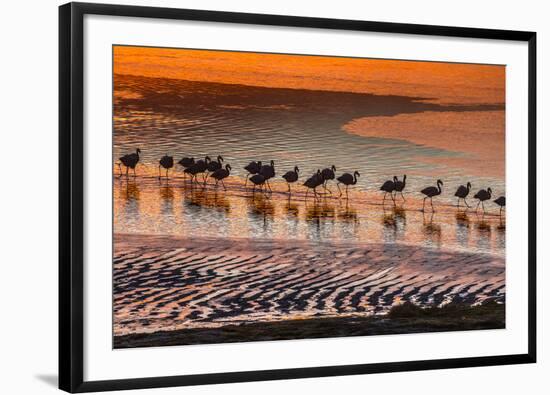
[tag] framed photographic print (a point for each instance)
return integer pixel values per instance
(253, 197)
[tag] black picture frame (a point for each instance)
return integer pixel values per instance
(71, 172)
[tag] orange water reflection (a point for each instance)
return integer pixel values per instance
(144, 205)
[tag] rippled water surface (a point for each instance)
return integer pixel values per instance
(294, 128)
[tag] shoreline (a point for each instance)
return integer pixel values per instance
(404, 320)
(259, 244)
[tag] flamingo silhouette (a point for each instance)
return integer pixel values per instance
(130, 161)
(400, 186)
(501, 201)
(199, 167)
(185, 163)
(388, 187)
(268, 171)
(257, 180)
(291, 176)
(430, 192)
(313, 182)
(461, 193)
(483, 195)
(215, 164)
(166, 162)
(212, 166)
(347, 179)
(252, 168)
(220, 174)
(328, 174)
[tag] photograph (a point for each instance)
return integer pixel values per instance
(266, 196)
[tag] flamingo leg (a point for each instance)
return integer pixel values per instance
(483, 206)
(127, 168)
(224, 188)
(307, 191)
(424, 204)
(246, 180)
(166, 173)
(458, 203)
(384, 200)
(478, 205)
(402, 196)
(119, 170)
(347, 195)
(269, 186)
(432, 202)
(339, 190)
(134, 171)
(467, 205)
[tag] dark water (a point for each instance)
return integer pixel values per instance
(291, 127)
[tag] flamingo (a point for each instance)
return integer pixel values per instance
(185, 163)
(328, 174)
(400, 186)
(388, 187)
(166, 162)
(212, 166)
(347, 179)
(220, 174)
(268, 171)
(252, 168)
(461, 193)
(430, 192)
(130, 161)
(501, 201)
(200, 166)
(313, 182)
(291, 176)
(257, 179)
(483, 195)
(215, 164)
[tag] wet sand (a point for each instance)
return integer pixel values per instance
(450, 318)
(167, 283)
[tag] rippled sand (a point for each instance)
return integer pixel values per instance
(169, 283)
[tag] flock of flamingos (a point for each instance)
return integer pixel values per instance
(259, 175)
